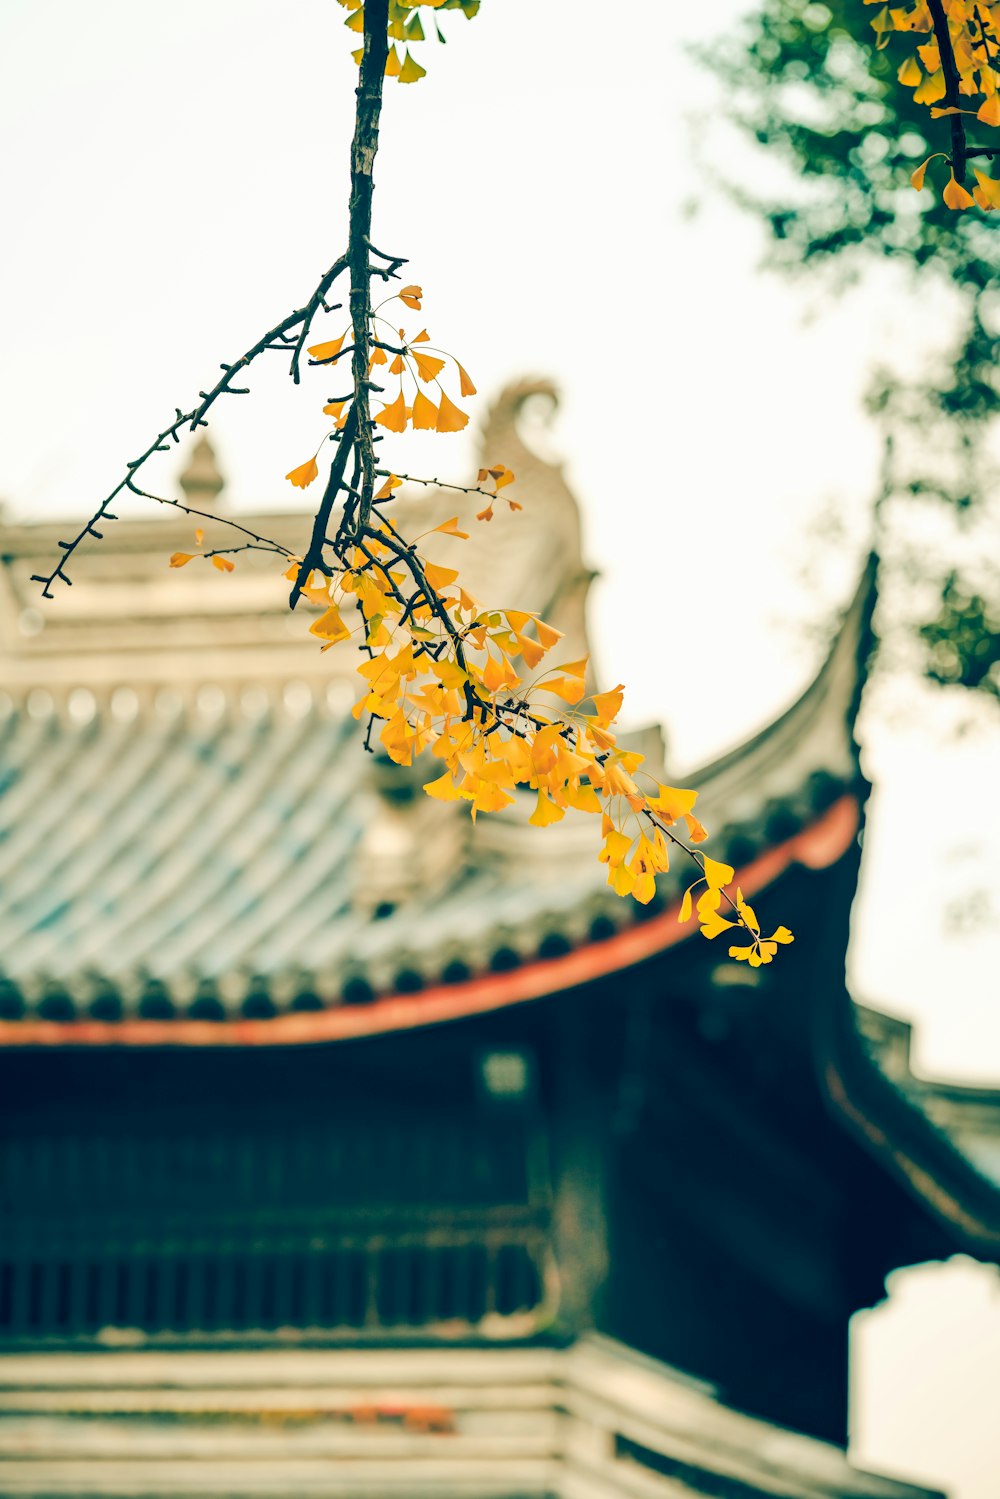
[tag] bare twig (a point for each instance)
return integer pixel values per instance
(197, 417)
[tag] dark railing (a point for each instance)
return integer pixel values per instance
(353, 1231)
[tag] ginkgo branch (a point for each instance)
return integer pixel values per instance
(384, 473)
(258, 542)
(453, 661)
(364, 148)
(942, 35)
(193, 419)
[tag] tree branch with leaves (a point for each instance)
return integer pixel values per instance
(469, 686)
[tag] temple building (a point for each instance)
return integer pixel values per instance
(351, 1149)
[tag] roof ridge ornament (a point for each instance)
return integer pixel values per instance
(201, 479)
(530, 403)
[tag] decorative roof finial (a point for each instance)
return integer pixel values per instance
(201, 481)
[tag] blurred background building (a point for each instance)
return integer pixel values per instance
(350, 1149)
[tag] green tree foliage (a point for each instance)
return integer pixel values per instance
(807, 84)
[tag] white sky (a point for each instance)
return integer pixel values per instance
(175, 179)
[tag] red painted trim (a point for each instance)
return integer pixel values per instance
(816, 847)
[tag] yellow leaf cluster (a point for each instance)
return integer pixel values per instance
(422, 366)
(973, 37)
(474, 689)
(478, 690)
(405, 29)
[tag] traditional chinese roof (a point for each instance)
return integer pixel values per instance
(174, 861)
(195, 849)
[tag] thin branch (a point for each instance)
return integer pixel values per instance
(364, 148)
(192, 419)
(263, 543)
(953, 99)
(335, 482)
(385, 473)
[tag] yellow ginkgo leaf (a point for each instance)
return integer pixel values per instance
(465, 385)
(672, 802)
(932, 89)
(421, 338)
(712, 924)
(303, 476)
(909, 73)
(356, 20)
(410, 295)
(747, 914)
(743, 954)
(390, 484)
(608, 705)
(330, 626)
(616, 847)
(392, 64)
(316, 587)
(411, 70)
(223, 564)
(428, 365)
(397, 366)
(696, 832)
(917, 177)
(530, 650)
(494, 676)
(621, 880)
(575, 668)
(570, 689)
(547, 635)
(882, 27)
(334, 409)
(583, 798)
(393, 417)
(439, 577)
(717, 874)
(451, 528)
(955, 196)
(443, 789)
(378, 357)
(987, 193)
(450, 418)
(546, 812)
(397, 739)
(327, 353)
(989, 113)
(425, 413)
(448, 673)
(179, 559)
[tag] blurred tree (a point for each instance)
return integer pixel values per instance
(807, 83)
